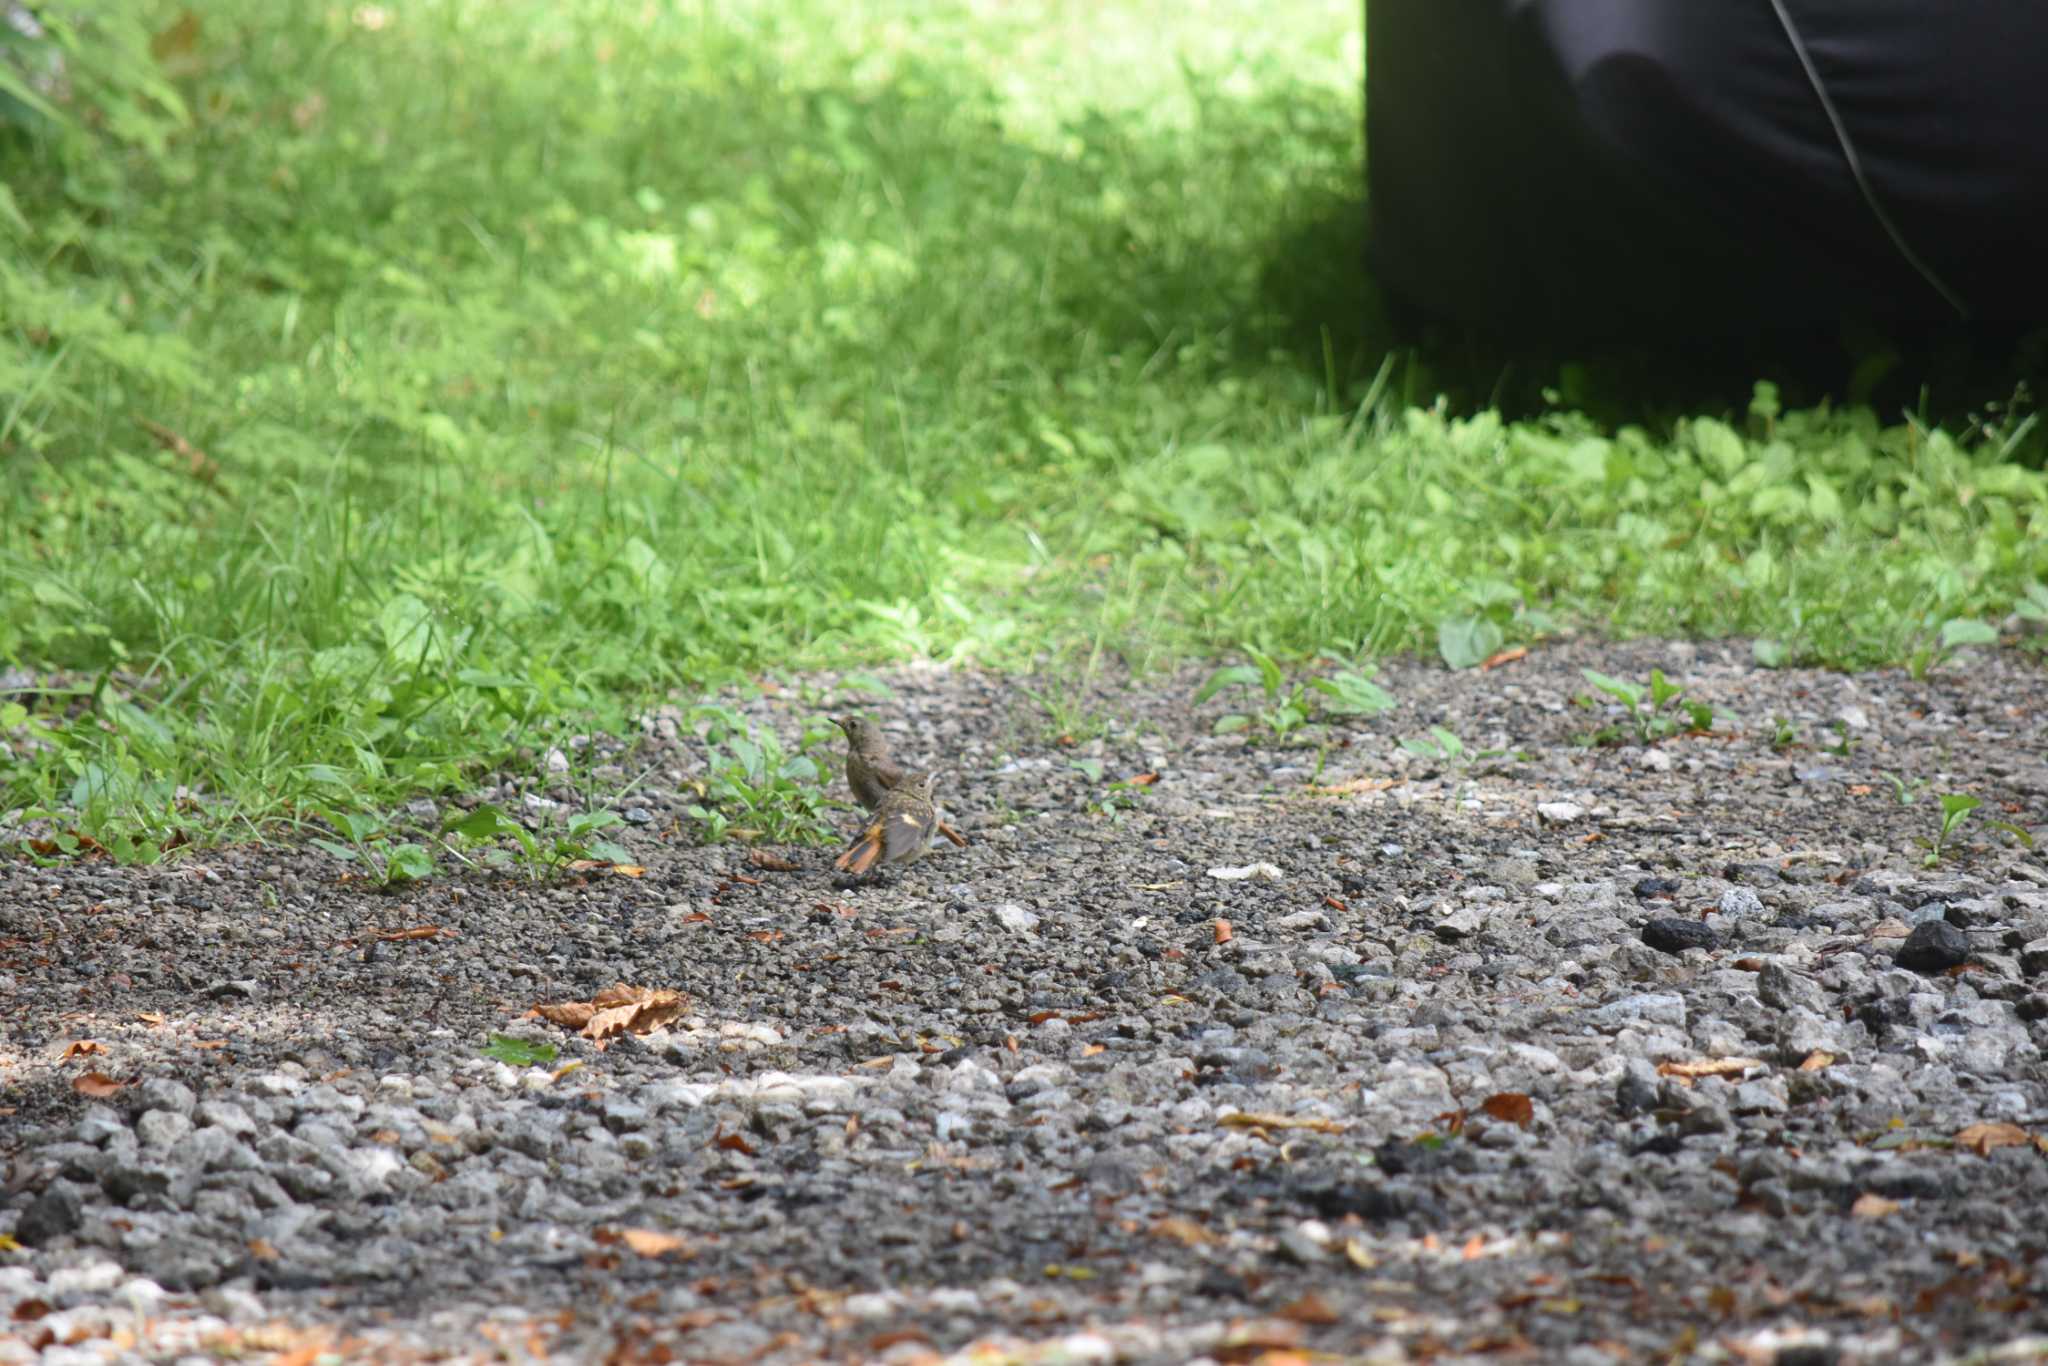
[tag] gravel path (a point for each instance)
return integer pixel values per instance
(1573, 1054)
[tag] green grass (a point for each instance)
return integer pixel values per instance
(545, 356)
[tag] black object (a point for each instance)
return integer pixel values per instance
(1933, 946)
(1582, 167)
(1675, 934)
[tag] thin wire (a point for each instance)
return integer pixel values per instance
(1855, 162)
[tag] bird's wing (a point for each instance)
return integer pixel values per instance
(909, 827)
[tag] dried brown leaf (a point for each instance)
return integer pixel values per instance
(96, 1085)
(1870, 1205)
(1184, 1231)
(650, 1243)
(1693, 1068)
(1257, 1119)
(616, 1010)
(1311, 1309)
(1510, 1107)
(1982, 1138)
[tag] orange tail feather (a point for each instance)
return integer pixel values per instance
(862, 853)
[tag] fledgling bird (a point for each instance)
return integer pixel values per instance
(901, 830)
(872, 773)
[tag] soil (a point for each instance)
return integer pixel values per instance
(1543, 1049)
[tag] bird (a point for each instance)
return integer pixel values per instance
(872, 773)
(901, 830)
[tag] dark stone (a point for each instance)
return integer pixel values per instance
(1372, 1202)
(1676, 934)
(1753, 874)
(52, 1214)
(1649, 887)
(1398, 1158)
(2033, 1007)
(1635, 1093)
(1808, 1354)
(1933, 946)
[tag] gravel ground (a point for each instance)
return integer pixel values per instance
(1566, 1053)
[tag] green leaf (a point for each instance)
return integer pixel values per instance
(340, 851)
(1226, 724)
(1955, 809)
(1091, 768)
(587, 822)
(1353, 694)
(519, 1052)
(2018, 832)
(408, 863)
(1621, 690)
(1966, 631)
(1234, 676)
(1769, 654)
(1464, 642)
(1270, 677)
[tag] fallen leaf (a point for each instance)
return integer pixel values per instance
(598, 865)
(882, 1342)
(79, 1048)
(771, 862)
(1982, 1138)
(1872, 1206)
(263, 1250)
(1359, 1255)
(1507, 656)
(1474, 1248)
(1256, 1119)
(648, 1243)
(1356, 785)
(416, 932)
(1510, 1107)
(1709, 1067)
(733, 1143)
(564, 1070)
(1860, 789)
(616, 1010)
(765, 936)
(1223, 931)
(97, 1085)
(150, 1017)
(1334, 904)
(1311, 1309)
(1186, 1232)
(1816, 1060)
(1142, 779)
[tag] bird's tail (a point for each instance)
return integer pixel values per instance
(862, 853)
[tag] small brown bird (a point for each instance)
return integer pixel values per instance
(871, 773)
(901, 830)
